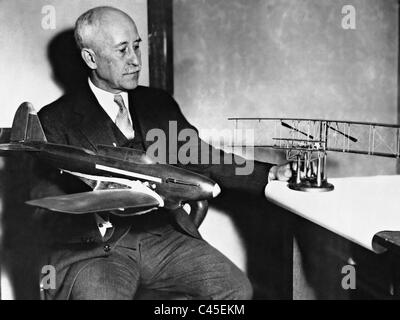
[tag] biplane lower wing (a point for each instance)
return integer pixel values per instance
(368, 138)
(307, 142)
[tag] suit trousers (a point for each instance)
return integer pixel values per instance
(164, 259)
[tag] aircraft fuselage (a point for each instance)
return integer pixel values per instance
(173, 184)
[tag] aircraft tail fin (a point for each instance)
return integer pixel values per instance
(26, 125)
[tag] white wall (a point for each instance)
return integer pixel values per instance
(25, 72)
(285, 58)
(288, 58)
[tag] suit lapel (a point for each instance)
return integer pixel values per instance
(136, 107)
(93, 122)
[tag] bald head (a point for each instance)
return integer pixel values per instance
(109, 43)
(92, 24)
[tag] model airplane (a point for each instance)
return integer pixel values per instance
(306, 142)
(124, 181)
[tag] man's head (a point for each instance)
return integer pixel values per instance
(109, 44)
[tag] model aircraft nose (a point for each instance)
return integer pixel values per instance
(210, 189)
(216, 190)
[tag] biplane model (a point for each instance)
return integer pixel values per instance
(307, 141)
(125, 181)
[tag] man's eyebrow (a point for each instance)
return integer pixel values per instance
(126, 42)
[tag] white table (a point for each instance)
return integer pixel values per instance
(357, 209)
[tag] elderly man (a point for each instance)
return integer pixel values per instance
(105, 257)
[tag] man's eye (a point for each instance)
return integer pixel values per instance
(137, 47)
(123, 50)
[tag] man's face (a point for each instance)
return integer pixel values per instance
(118, 57)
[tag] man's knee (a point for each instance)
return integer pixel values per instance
(100, 280)
(242, 289)
(235, 286)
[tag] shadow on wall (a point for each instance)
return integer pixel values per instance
(69, 70)
(266, 233)
(323, 254)
(23, 245)
(323, 258)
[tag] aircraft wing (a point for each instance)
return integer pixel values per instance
(16, 147)
(302, 134)
(123, 202)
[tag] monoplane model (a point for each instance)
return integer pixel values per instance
(124, 181)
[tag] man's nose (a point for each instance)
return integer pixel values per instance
(134, 58)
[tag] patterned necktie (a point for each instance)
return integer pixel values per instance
(122, 120)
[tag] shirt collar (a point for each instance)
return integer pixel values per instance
(106, 100)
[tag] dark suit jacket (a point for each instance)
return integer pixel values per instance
(78, 119)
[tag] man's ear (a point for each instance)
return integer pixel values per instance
(89, 57)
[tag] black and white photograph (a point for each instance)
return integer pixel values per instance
(222, 151)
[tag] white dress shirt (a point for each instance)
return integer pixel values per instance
(102, 224)
(106, 101)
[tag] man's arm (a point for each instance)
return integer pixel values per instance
(231, 171)
(48, 181)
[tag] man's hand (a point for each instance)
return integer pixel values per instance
(281, 172)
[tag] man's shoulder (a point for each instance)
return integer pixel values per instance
(153, 100)
(151, 93)
(54, 107)
(58, 110)
(62, 108)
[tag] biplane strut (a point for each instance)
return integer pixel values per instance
(307, 141)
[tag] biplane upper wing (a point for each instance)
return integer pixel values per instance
(368, 138)
(307, 141)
